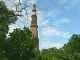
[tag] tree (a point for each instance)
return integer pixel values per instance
(20, 45)
(72, 48)
(52, 54)
(73, 45)
(6, 18)
(55, 54)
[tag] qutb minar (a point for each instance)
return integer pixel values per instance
(34, 26)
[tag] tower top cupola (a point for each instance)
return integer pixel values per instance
(34, 10)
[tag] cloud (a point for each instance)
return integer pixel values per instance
(68, 4)
(11, 4)
(41, 17)
(75, 3)
(50, 31)
(48, 44)
(60, 21)
(72, 4)
(22, 20)
(65, 20)
(32, 1)
(66, 34)
(61, 1)
(19, 24)
(52, 13)
(67, 7)
(14, 26)
(44, 17)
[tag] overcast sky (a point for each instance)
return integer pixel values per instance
(57, 21)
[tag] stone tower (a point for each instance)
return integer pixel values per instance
(34, 26)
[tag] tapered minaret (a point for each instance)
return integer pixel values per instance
(34, 26)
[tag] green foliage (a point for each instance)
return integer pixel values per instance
(20, 45)
(73, 46)
(37, 55)
(51, 54)
(5, 21)
(70, 51)
(6, 17)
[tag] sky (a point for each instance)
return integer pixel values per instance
(57, 20)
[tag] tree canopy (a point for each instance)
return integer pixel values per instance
(20, 44)
(6, 17)
(70, 50)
